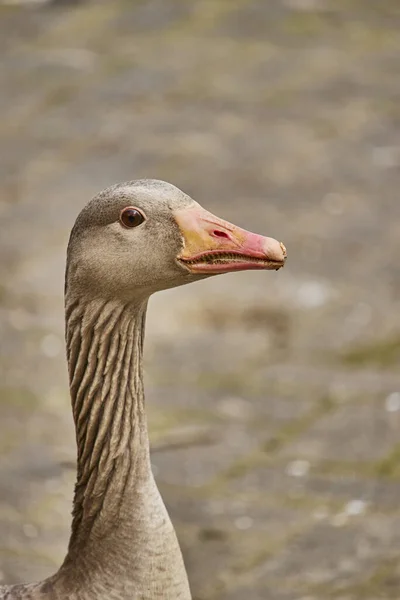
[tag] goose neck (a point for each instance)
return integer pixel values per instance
(104, 351)
(122, 537)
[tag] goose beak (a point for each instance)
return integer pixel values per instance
(212, 246)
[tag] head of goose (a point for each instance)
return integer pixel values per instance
(143, 236)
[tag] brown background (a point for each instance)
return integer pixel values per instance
(274, 398)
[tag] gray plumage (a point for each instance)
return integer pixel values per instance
(122, 545)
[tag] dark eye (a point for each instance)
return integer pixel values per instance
(131, 217)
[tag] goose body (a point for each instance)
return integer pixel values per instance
(130, 241)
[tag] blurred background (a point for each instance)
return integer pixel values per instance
(273, 398)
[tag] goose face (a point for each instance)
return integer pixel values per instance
(143, 236)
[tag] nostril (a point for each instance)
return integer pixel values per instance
(220, 234)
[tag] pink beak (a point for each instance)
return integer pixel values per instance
(213, 246)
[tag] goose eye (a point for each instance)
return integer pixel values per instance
(131, 217)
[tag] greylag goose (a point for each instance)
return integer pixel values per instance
(131, 240)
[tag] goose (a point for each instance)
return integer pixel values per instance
(129, 241)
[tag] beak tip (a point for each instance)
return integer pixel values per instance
(275, 251)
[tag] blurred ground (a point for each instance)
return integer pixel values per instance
(274, 399)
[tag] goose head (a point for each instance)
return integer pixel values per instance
(142, 236)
